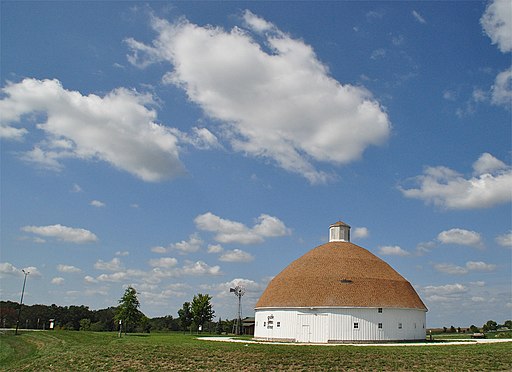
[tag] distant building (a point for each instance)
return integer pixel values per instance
(339, 292)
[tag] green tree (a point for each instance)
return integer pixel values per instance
(128, 309)
(491, 325)
(185, 316)
(474, 328)
(508, 324)
(202, 309)
(85, 324)
(219, 329)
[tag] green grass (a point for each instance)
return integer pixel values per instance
(79, 351)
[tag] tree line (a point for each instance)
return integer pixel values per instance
(195, 316)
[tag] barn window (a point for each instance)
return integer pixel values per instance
(356, 325)
(279, 324)
(380, 325)
(379, 310)
(264, 324)
(399, 325)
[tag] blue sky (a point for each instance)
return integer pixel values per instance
(187, 147)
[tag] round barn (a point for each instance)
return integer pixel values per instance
(339, 292)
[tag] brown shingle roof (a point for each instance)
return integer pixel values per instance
(340, 274)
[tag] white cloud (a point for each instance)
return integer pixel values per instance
(200, 138)
(446, 188)
(163, 262)
(505, 240)
(394, 250)
(7, 268)
(118, 128)
(497, 24)
(113, 265)
(236, 255)
(447, 289)
(235, 232)
(58, 280)
(200, 268)
(480, 266)
(450, 269)
(193, 244)
(89, 279)
(63, 233)
(461, 237)
(115, 277)
(122, 253)
(418, 17)
(68, 269)
(361, 232)
(459, 270)
(501, 91)
(215, 248)
(281, 105)
(97, 203)
(159, 249)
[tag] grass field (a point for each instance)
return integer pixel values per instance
(71, 350)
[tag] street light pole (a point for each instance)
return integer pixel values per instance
(21, 301)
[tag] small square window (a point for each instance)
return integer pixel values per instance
(380, 325)
(264, 324)
(356, 325)
(279, 324)
(399, 325)
(379, 310)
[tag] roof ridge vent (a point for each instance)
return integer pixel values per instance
(339, 232)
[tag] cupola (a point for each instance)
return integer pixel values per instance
(339, 232)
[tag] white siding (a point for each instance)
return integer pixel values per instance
(337, 325)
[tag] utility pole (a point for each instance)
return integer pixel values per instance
(21, 301)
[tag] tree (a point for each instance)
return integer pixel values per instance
(508, 324)
(474, 328)
(185, 316)
(128, 309)
(491, 325)
(219, 329)
(202, 309)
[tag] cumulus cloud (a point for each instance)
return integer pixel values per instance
(236, 255)
(113, 265)
(97, 203)
(7, 268)
(491, 184)
(394, 250)
(360, 232)
(58, 280)
(461, 237)
(118, 128)
(501, 91)
(446, 289)
(193, 244)
(505, 240)
(497, 24)
(215, 248)
(459, 270)
(281, 104)
(200, 268)
(68, 269)
(63, 233)
(235, 232)
(163, 262)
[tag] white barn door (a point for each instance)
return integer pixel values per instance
(313, 328)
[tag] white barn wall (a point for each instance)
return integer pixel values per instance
(337, 324)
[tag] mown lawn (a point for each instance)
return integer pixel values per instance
(69, 351)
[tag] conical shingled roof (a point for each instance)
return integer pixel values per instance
(340, 274)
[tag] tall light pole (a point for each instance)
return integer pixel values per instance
(21, 301)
